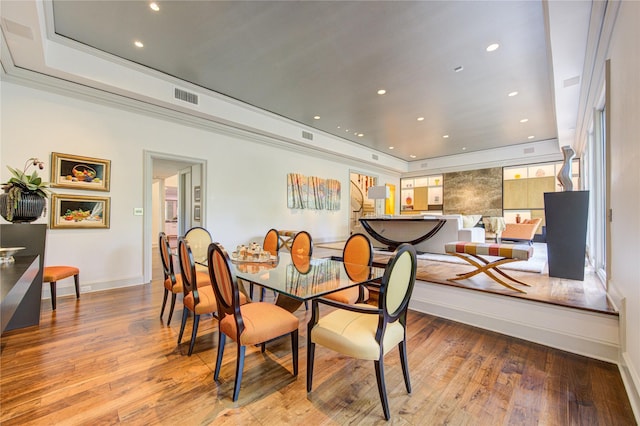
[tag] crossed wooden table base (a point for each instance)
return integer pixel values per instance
(507, 253)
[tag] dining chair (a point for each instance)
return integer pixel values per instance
(199, 239)
(271, 244)
(197, 299)
(302, 245)
(357, 251)
(172, 280)
(369, 332)
(249, 324)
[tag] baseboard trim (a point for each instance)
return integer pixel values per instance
(581, 332)
(68, 288)
(631, 381)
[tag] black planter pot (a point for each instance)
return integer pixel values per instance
(30, 208)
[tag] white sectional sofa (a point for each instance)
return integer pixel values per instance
(453, 230)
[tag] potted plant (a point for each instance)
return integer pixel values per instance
(24, 197)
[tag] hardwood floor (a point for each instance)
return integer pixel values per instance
(108, 359)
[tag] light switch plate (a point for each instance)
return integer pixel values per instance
(138, 211)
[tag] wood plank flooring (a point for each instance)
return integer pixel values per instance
(109, 359)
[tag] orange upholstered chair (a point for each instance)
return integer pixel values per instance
(369, 332)
(197, 299)
(271, 244)
(249, 324)
(173, 281)
(358, 250)
(53, 274)
(302, 244)
(523, 231)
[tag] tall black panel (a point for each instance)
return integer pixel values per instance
(566, 221)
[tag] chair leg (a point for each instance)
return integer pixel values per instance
(76, 281)
(310, 355)
(405, 365)
(221, 341)
(173, 305)
(194, 333)
(239, 368)
(263, 347)
(185, 313)
(251, 291)
(164, 302)
(294, 351)
(52, 286)
(382, 388)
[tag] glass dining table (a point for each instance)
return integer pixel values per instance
(297, 278)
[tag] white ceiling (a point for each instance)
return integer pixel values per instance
(328, 59)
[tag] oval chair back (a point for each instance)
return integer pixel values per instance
(357, 256)
(302, 244)
(187, 269)
(199, 239)
(397, 284)
(225, 284)
(271, 242)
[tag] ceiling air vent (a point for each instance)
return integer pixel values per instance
(529, 150)
(183, 95)
(307, 135)
(424, 165)
(374, 156)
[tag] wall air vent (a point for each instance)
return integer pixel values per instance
(183, 95)
(424, 165)
(307, 135)
(529, 150)
(374, 156)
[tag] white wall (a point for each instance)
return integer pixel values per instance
(624, 111)
(246, 192)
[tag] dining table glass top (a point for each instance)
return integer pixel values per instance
(304, 277)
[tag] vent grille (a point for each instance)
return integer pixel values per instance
(307, 135)
(529, 150)
(374, 156)
(183, 95)
(424, 165)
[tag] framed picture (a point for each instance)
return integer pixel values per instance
(196, 213)
(79, 211)
(74, 171)
(196, 194)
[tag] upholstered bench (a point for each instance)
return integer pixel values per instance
(505, 253)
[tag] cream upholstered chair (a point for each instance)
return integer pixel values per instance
(173, 281)
(199, 240)
(197, 299)
(364, 331)
(271, 244)
(358, 250)
(249, 324)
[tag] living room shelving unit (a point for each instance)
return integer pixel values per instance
(421, 194)
(524, 187)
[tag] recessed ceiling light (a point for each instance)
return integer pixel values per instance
(458, 68)
(138, 43)
(513, 94)
(316, 117)
(154, 6)
(445, 136)
(339, 127)
(531, 137)
(492, 47)
(390, 147)
(524, 120)
(464, 148)
(420, 118)
(412, 156)
(381, 92)
(346, 130)
(360, 135)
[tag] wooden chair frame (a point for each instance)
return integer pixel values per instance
(384, 317)
(232, 308)
(169, 273)
(190, 285)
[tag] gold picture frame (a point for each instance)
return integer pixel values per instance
(79, 211)
(78, 172)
